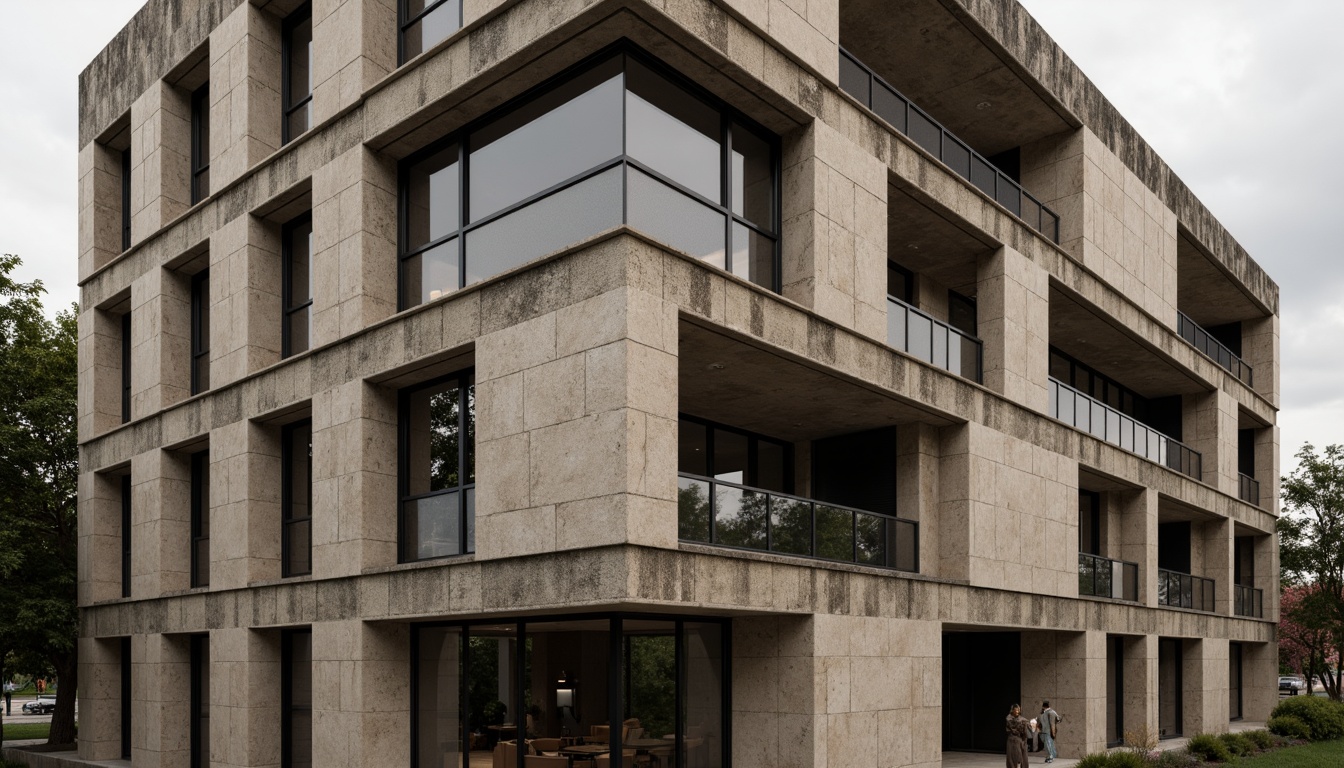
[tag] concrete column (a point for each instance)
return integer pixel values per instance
(835, 229)
(953, 521)
(99, 698)
(245, 280)
(99, 400)
(1013, 301)
(1138, 543)
(1259, 680)
(99, 537)
(773, 657)
(1068, 669)
(244, 93)
(245, 505)
(160, 341)
(1204, 685)
(591, 384)
(99, 206)
(917, 480)
(359, 719)
(1265, 550)
(244, 698)
(1260, 349)
(354, 46)
(1209, 423)
(160, 523)
(161, 691)
(354, 479)
(1219, 559)
(1141, 684)
(160, 158)
(1267, 467)
(354, 244)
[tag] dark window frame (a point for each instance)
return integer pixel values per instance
(200, 517)
(200, 342)
(126, 199)
(909, 276)
(200, 668)
(200, 142)
(1178, 687)
(287, 104)
(1094, 510)
(465, 380)
(287, 705)
(728, 118)
(288, 309)
(1236, 658)
(287, 519)
(967, 304)
(753, 444)
(127, 704)
(125, 481)
(1116, 643)
(126, 367)
(405, 20)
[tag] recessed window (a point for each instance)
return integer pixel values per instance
(200, 144)
(126, 698)
(200, 701)
(126, 535)
(200, 519)
(900, 283)
(961, 313)
(297, 74)
(200, 332)
(296, 482)
(296, 698)
(125, 199)
(298, 285)
(438, 475)
(126, 367)
(617, 142)
(424, 23)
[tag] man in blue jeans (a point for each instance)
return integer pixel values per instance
(1048, 721)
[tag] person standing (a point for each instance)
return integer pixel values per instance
(9, 694)
(1016, 727)
(1049, 720)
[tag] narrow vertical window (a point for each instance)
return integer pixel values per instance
(438, 482)
(200, 144)
(425, 22)
(200, 332)
(200, 519)
(296, 482)
(126, 698)
(296, 77)
(296, 697)
(126, 535)
(297, 266)
(200, 701)
(126, 367)
(125, 199)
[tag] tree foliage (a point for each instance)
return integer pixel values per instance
(1311, 556)
(39, 465)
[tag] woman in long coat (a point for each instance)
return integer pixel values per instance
(1017, 727)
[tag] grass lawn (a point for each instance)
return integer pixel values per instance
(20, 731)
(1322, 754)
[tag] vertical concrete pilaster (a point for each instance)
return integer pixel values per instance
(245, 281)
(953, 521)
(244, 700)
(161, 691)
(1138, 542)
(1204, 685)
(1267, 467)
(99, 698)
(160, 158)
(917, 481)
(1068, 669)
(160, 523)
(99, 371)
(245, 501)
(1209, 423)
(1260, 349)
(99, 206)
(1013, 302)
(160, 341)
(1140, 681)
(1259, 680)
(1219, 559)
(359, 720)
(244, 93)
(354, 46)
(99, 560)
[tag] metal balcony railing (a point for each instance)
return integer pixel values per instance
(731, 515)
(1102, 577)
(933, 341)
(1213, 348)
(1248, 489)
(1181, 590)
(1248, 601)
(1106, 423)
(905, 116)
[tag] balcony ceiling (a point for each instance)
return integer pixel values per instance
(774, 395)
(1112, 351)
(929, 55)
(1205, 293)
(922, 240)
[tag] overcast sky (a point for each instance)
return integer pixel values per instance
(1243, 98)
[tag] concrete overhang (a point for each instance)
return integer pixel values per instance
(925, 240)
(1205, 291)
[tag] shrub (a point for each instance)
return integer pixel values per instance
(1208, 748)
(1324, 718)
(1096, 760)
(1289, 727)
(1238, 744)
(1261, 739)
(1126, 760)
(1142, 740)
(1173, 758)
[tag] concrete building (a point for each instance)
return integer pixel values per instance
(808, 380)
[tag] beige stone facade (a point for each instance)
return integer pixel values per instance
(589, 360)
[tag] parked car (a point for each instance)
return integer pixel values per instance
(1292, 685)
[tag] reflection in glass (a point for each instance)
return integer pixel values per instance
(673, 218)
(835, 533)
(889, 106)
(433, 434)
(432, 198)
(790, 526)
(296, 507)
(753, 256)
(437, 462)
(702, 715)
(692, 509)
(871, 542)
(429, 29)
(753, 178)
(730, 456)
(298, 694)
(438, 697)
(298, 260)
(672, 132)
(431, 527)
(739, 517)
(926, 133)
(430, 274)
(298, 48)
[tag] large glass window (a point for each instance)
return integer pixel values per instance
(297, 258)
(424, 23)
(296, 506)
(617, 142)
(296, 698)
(200, 144)
(297, 74)
(200, 701)
(438, 473)
(200, 519)
(200, 332)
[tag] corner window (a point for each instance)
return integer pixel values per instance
(424, 23)
(296, 698)
(297, 257)
(616, 142)
(200, 519)
(200, 144)
(296, 481)
(200, 332)
(297, 72)
(438, 475)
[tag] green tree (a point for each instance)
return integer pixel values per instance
(1311, 549)
(39, 465)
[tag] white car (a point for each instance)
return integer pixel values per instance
(42, 705)
(1292, 685)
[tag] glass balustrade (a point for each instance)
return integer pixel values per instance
(1213, 348)
(1103, 577)
(1181, 590)
(1248, 489)
(933, 341)
(1106, 423)
(1248, 601)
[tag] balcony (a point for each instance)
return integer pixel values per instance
(933, 341)
(886, 102)
(1103, 577)
(1106, 423)
(1248, 601)
(1248, 489)
(730, 515)
(1181, 590)
(1213, 348)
